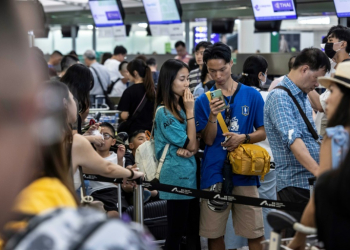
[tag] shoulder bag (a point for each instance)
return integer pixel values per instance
(86, 200)
(108, 100)
(246, 159)
(125, 125)
(302, 113)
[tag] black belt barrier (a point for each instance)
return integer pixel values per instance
(238, 199)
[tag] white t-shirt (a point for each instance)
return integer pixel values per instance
(112, 66)
(96, 185)
(265, 144)
(118, 89)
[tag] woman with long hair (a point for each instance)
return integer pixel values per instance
(137, 102)
(80, 81)
(175, 125)
(328, 207)
(255, 75)
(53, 184)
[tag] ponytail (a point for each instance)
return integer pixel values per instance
(145, 72)
(149, 84)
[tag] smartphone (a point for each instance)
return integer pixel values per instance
(218, 94)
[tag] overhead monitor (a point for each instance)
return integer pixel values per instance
(342, 7)
(200, 35)
(107, 13)
(162, 11)
(273, 10)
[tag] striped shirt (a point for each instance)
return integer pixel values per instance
(195, 78)
(283, 125)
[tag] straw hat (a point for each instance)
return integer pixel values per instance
(342, 76)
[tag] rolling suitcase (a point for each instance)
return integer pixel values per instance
(155, 218)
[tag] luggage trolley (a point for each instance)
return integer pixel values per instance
(279, 221)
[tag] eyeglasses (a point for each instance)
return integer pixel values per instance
(107, 136)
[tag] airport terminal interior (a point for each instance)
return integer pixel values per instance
(175, 124)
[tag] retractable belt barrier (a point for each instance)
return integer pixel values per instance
(238, 199)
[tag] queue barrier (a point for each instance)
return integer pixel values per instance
(235, 199)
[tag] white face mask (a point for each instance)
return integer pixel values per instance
(263, 82)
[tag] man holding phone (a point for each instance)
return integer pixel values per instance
(242, 108)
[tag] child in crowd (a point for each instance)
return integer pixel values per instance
(107, 192)
(136, 139)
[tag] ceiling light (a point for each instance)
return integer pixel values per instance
(90, 27)
(143, 25)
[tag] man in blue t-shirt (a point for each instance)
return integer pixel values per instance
(245, 113)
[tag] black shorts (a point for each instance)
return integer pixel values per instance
(109, 198)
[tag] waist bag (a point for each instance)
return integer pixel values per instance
(246, 159)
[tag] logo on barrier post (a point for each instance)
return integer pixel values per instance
(224, 198)
(181, 191)
(272, 204)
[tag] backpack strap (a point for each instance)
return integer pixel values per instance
(219, 117)
(161, 161)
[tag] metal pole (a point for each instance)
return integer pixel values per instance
(343, 21)
(187, 36)
(94, 38)
(74, 35)
(209, 30)
(138, 202)
(31, 38)
(120, 200)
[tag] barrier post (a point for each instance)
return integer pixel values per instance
(138, 202)
(120, 200)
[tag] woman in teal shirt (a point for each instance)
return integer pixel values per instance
(175, 125)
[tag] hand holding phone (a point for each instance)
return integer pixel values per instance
(217, 94)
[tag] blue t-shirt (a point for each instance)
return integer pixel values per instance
(177, 171)
(247, 113)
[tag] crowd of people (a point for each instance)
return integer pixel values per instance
(49, 111)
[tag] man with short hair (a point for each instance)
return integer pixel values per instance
(244, 118)
(153, 66)
(112, 64)
(66, 62)
(122, 83)
(182, 54)
(55, 59)
(337, 47)
(195, 75)
(99, 72)
(295, 151)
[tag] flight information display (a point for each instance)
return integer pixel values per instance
(106, 13)
(161, 11)
(200, 35)
(273, 10)
(342, 8)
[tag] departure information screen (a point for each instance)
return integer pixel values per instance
(271, 10)
(106, 13)
(161, 11)
(342, 8)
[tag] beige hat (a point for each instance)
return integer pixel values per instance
(342, 76)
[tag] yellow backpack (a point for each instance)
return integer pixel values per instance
(246, 159)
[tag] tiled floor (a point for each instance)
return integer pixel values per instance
(204, 245)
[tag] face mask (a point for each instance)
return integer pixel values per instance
(263, 82)
(328, 49)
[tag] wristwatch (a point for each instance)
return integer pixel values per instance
(247, 139)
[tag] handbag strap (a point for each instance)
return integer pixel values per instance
(219, 116)
(302, 113)
(138, 109)
(99, 80)
(84, 198)
(154, 120)
(161, 161)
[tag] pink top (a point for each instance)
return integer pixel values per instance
(185, 59)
